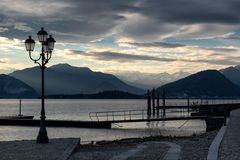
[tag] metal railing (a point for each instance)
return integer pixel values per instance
(183, 102)
(179, 111)
(136, 114)
(118, 115)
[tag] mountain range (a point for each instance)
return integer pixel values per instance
(150, 80)
(232, 73)
(67, 79)
(209, 83)
(11, 87)
(64, 80)
(100, 95)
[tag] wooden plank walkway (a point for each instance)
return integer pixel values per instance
(86, 124)
(105, 119)
(55, 123)
(155, 119)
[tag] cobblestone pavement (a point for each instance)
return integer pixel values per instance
(133, 151)
(187, 148)
(230, 146)
(57, 149)
(196, 148)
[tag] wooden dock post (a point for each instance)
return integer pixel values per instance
(188, 103)
(153, 102)
(163, 102)
(148, 104)
(157, 102)
(20, 108)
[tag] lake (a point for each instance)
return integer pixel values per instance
(80, 109)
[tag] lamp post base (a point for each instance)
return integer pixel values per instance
(42, 139)
(42, 136)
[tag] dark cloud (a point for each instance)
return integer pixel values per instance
(157, 44)
(129, 57)
(84, 21)
(122, 57)
(3, 61)
(192, 11)
(226, 61)
(176, 18)
(223, 50)
(232, 36)
(72, 20)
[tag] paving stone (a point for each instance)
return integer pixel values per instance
(230, 146)
(56, 149)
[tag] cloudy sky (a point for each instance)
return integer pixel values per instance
(117, 36)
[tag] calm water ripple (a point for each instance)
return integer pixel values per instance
(79, 110)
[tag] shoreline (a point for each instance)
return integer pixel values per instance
(192, 147)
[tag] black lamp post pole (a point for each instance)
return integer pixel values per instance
(42, 135)
(45, 56)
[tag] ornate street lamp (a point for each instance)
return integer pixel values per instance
(42, 60)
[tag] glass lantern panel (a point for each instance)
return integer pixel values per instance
(32, 45)
(45, 48)
(51, 45)
(28, 46)
(42, 37)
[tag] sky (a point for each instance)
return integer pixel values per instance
(124, 36)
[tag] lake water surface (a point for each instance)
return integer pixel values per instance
(80, 109)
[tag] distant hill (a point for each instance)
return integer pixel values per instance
(11, 87)
(66, 79)
(100, 95)
(150, 80)
(232, 73)
(210, 83)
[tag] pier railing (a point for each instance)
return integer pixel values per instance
(183, 102)
(163, 113)
(136, 115)
(117, 115)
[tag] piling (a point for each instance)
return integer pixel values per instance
(20, 108)
(148, 104)
(153, 102)
(163, 102)
(157, 102)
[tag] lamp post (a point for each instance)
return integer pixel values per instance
(42, 60)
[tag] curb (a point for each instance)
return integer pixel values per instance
(174, 151)
(70, 149)
(214, 147)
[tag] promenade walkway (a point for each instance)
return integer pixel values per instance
(152, 150)
(230, 145)
(57, 149)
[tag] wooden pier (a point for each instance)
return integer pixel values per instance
(55, 123)
(214, 114)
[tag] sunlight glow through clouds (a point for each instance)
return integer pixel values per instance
(147, 36)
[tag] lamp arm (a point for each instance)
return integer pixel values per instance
(38, 63)
(35, 60)
(49, 55)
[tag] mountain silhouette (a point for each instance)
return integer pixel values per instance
(67, 79)
(150, 80)
(11, 87)
(232, 73)
(209, 83)
(100, 95)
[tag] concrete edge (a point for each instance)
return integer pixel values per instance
(215, 145)
(174, 152)
(70, 149)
